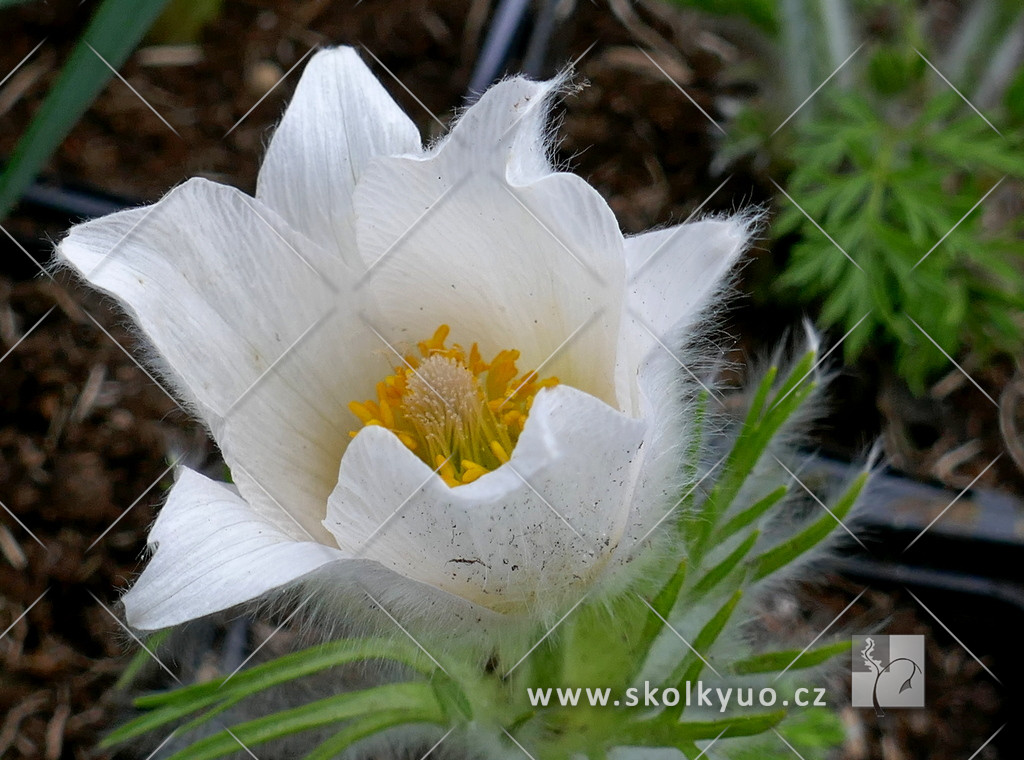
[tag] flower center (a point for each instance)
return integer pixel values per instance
(458, 413)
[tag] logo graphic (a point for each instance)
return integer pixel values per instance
(888, 671)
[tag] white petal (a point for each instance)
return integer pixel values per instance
(507, 541)
(339, 117)
(673, 274)
(213, 551)
(482, 236)
(673, 271)
(250, 331)
(505, 129)
(206, 265)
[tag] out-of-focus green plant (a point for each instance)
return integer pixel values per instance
(762, 13)
(183, 21)
(112, 34)
(890, 164)
(902, 200)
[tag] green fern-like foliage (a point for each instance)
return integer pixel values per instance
(900, 192)
(861, 123)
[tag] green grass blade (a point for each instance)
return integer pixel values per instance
(691, 461)
(450, 696)
(755, 435)
(757, 403)
(751, 513)
(412, 698)
(752, 445)
(662, 603)
(669, 733)
(299, 664)
(781, 555)
(152, 720)
(711, 631)
(210, 714)
(114, 31)
(800, 372)
(363, 727)
(720, 571)
(142, 657)
(692, 665)
(171, 706)
(793, 659)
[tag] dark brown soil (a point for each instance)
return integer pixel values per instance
(86, 437)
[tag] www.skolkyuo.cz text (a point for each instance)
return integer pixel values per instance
(693, 695)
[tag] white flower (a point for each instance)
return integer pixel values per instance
(271, 315)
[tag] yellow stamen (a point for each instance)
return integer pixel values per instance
(499, 452)
(385, 413)
(458, 413)
(470, 475)
(360, 411)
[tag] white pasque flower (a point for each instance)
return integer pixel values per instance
(271, 315)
